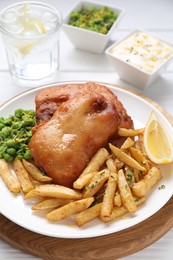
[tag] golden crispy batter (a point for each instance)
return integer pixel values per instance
(64, 144)
(48, 100)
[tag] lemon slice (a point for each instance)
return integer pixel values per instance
(30, 25)
(36, 25)
(157, 142)
(28, 22)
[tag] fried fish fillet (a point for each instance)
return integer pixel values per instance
(48, 100)
(65, 143)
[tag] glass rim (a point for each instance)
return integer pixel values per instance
(37, 36)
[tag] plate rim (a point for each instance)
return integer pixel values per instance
(134, 92)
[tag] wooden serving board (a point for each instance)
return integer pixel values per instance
(109, 247)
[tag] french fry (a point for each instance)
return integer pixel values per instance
(30, 194)
(69, 209)
(9, 179)
(126, 158)
(88, 215)
(117, 199)
(139, 189)
(139, 145)
(140, 157)
(83, 180)
(96, 183)
(22, 175)
(36, 183)
(117, 212)
(118, 164)
(120, 211)
(51, 203)
(129, 174)
(127, 143)
(100, 193)
(137, 175)
(130, 132)
(35, 173)
(57, 191)
(141, 142)
(94, 165)
(125, 192)
(147, 183)
(153, 176)
(111, 165)
(108, 199)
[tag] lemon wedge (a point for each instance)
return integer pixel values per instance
(157, 142)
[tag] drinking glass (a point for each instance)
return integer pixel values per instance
(30, 31)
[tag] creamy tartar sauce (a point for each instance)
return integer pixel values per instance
(143, 51)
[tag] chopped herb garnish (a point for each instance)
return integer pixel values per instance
(129, 177)
(131, 49)
(162, 187)
(137, 199)
(102, 173)
(92, 186)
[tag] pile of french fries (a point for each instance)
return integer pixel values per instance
(116, 181)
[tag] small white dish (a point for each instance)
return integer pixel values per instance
(139, 70)
(89, 40)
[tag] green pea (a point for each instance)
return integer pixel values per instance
(2, 120)
(29, 133)
(16, 125)
(11, 151)
(20, 156)
(31, 113)
(6, 131)
(27, 155)
(8, 157)
(8, 121)
(19, 112)
(1, 126)
(3, 147)
(28, 122)
(11, 143)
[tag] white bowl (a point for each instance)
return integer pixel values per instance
(132, 72)
(89, 40)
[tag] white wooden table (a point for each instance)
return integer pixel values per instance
(155, 16)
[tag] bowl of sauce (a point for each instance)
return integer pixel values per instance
(140, 57)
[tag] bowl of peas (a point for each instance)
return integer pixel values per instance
(89, 25)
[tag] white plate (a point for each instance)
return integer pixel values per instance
(19, 211)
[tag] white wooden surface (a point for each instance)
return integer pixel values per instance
(155, 16)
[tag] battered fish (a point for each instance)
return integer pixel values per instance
(69, 137)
